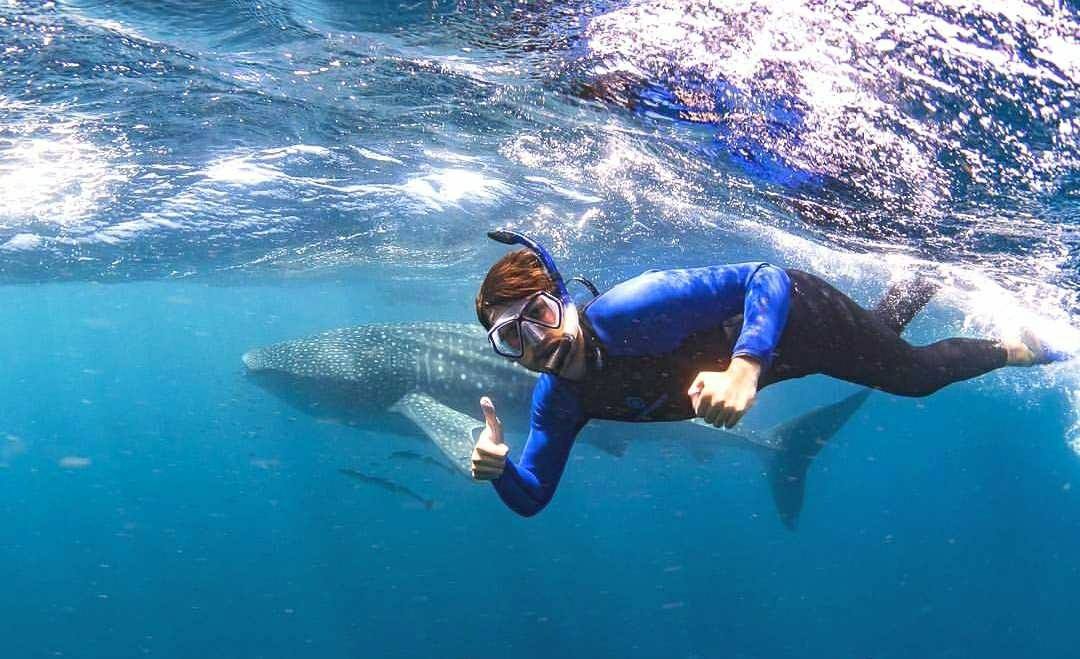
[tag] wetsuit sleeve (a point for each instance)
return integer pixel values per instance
(556, 418)
(655, 312)
(765, 311)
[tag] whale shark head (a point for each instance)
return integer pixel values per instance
(373, 366)
(336, 371)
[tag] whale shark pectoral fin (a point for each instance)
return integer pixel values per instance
(452, 431)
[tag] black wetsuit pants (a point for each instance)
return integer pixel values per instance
(827, 332)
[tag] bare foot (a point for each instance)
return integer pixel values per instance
(1018, 354)
(1030, 350)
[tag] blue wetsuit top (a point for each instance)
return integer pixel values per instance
(650, 337)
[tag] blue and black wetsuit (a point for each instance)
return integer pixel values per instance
(650, 336)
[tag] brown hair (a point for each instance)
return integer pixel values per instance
(515, 276)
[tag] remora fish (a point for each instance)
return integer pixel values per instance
(423, 459)
(388, 485)
(427, 378)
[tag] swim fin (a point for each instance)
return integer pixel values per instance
(1043, 353)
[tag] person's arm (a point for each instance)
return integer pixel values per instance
(723, 397)
(766, 298)
(655, 311)
(529, 484)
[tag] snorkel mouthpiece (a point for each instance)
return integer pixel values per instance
(556, 359)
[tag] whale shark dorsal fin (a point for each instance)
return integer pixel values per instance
(452, 431)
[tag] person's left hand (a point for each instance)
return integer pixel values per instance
(721, 398)
(489, 455)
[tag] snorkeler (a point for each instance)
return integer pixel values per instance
(674, 344)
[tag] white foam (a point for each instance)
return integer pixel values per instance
(281, 152)
(22, 242)
(830, 57)
(240, 170)
(565, 191)
(374, 155)
(453, 186)
(58, 179)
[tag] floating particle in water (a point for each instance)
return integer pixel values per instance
(74, 462)
(98, 323)
(11, 447)
(267, 464)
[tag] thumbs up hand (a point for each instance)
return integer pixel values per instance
(489, 454)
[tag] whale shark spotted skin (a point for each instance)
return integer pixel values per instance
(427, 379)
(382, 363)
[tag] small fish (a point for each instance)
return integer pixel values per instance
(426, 459)
(388, 485)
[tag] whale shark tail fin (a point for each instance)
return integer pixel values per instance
(797, 442)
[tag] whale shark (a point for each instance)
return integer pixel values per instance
(425, 379)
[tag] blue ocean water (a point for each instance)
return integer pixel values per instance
(182, 182)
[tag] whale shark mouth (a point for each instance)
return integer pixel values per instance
(253, 360)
